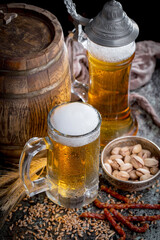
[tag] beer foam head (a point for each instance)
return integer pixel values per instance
(110, 54)
(74, 119)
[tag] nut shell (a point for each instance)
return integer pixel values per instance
(150, 162)
(142, 171)
(123, 175)
(126, 167)
(154, 170)
(133, 175)
(124, 151)
(145, 177)
(137, 161)
(115, 151)
(137, 148)
(108, 167)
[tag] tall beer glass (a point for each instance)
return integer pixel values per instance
(109, 69)
(72, 159)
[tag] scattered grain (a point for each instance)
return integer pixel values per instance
(48, 221)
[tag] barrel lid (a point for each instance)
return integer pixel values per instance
(32, 33)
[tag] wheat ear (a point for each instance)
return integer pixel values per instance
(12, 194)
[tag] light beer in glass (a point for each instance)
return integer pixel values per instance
(109, 70)
(73, 146)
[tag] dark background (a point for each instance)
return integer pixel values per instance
(145, 13)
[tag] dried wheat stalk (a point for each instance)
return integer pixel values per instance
(11, 187)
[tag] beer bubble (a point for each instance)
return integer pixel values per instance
(75, 120)
(110, 54)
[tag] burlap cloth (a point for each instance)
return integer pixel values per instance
(142, 69)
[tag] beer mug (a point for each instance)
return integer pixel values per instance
(109, 70)
(109, 39)
(73, 145)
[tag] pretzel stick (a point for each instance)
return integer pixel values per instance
(123, 220)
(99, 204)
(101, 216)
(93, 215)
(115, 194)
(114, 224)
(126, 205)
(142, 218)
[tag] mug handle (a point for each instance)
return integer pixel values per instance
(80, 90)
(77, 88)
(31, 148)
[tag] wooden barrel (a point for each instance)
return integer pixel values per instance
(34, 73)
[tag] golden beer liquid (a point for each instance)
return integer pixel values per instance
(108, 93)
(73, 170)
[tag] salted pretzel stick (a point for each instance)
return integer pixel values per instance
(115, 194)
(101, 216)
(99, 204)
(142, 218)
(126, 205)
(118, 228)
(123, 220)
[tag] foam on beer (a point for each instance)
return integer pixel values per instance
(111, 54)
(75, 119)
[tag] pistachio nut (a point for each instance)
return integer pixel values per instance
(140, 154)
(115, 151)
(126, 167)
(116, 163)
(133, 175)
(150, 162)
(137, 161)
(145, 167)
(137, 148)
(119, 161)
(107, 160)
(122, 175)
(108, 168)
(124, 151)
(115, 173)
(127, 159)
(146, 153)
(154, 170)
(112, 157)
(142, 171)
(145, 177)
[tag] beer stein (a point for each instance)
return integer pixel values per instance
(110, 43)
(72, 144)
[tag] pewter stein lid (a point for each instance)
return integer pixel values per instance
(112, 27)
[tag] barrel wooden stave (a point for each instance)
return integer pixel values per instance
(30, 86)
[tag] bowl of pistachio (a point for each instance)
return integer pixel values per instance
(131, 163)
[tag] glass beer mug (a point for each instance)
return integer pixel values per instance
(109, 70)
(73, 144)
(110, 44)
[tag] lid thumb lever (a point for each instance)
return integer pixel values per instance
(77, 18)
